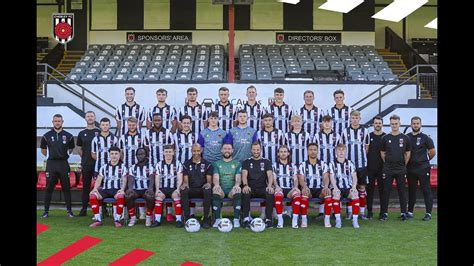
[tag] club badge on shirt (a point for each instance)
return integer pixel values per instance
(401, 143)
(64, 139)
(262, 166)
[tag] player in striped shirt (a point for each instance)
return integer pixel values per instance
(224, 109)
(313, 177)
(297, 139)
(286, 185)
(339, 112)
(110, 183)
(342, 174)
(167, 112)
(155, 138)
(310, 114)
(101, 145)
(140, 182)
(327, 139)
(129, 109)
(130, 142)
(280, 110)
(253, 108)
(194, 110)
(270, 138)
(356, 139)
(184, 140)
(168, 181)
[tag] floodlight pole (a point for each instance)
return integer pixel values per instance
(231, 44)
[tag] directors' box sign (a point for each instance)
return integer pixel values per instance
(308, 37)
(159, 37)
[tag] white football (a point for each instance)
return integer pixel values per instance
(192, 225)
(225, 225)
(257, 225)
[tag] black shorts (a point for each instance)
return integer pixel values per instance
(362, 176)
(316, 192)
(168, 192)
(107, 193)
(140, 192)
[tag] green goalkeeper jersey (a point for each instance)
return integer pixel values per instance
(227, 172)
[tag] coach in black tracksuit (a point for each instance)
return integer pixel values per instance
(419, 167)
(395, 153)
(59, 144)
(375, 164)
(84, 141)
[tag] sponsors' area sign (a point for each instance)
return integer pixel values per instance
(159, 37)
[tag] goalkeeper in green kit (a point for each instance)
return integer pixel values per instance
(226, 180)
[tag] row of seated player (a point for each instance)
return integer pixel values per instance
(41, 180)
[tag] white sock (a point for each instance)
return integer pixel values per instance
(338, 216)
(97, 217)
(362, 210)
(141, 210)
(295, 218)
(327, 218)
(247, 219)
(158, 217)
(100, 210)
(354, 217)
(117, 217)
(280, 219)
(115, 210)
(321, 208)
(349, 208)
(169, 210)
(191, 211)
(178, 218)
(304, 219)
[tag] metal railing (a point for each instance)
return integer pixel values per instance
(378, 91)
(47, 71)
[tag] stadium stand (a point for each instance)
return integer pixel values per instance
(151, 62)
(267, 62)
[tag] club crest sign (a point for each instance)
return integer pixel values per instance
(63, 27)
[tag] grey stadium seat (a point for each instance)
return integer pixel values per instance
(353, 71)
(151, 77)
(389, 77)
(200, 70)
(384, 71)
(104, 77)
(358, 77)
(154, 70)
(215, 76)
(278, 73)
(108, 70)
(124, 70)
(74, 76)
(120, 77)
(138, 70)
(183, 76)
(89, 77)
(93, 70)
(199, 76)
(249, 68)
(248, 76)
(374, 77)
(339, 67)
(170, 70)
(264, 75)
(165, 76)
(135, 77)
(78, 70)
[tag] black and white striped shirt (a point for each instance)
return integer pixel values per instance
(342, 173)
(310, 119)
(297, 142)
(168, 173)
(129, 145)
(313, 173)
(340, 118)
(281, 114)
(254, 114)
(141, 175)
(101, 146)
(123, 112)
(155, 140)
(285, 174)
(196, 113)
(355, 140)
(327, 145)
(112, 175)
(184, 143)
(167, 112)
(226, 114)
(270, 141)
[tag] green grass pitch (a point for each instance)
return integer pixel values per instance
(374, 243)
